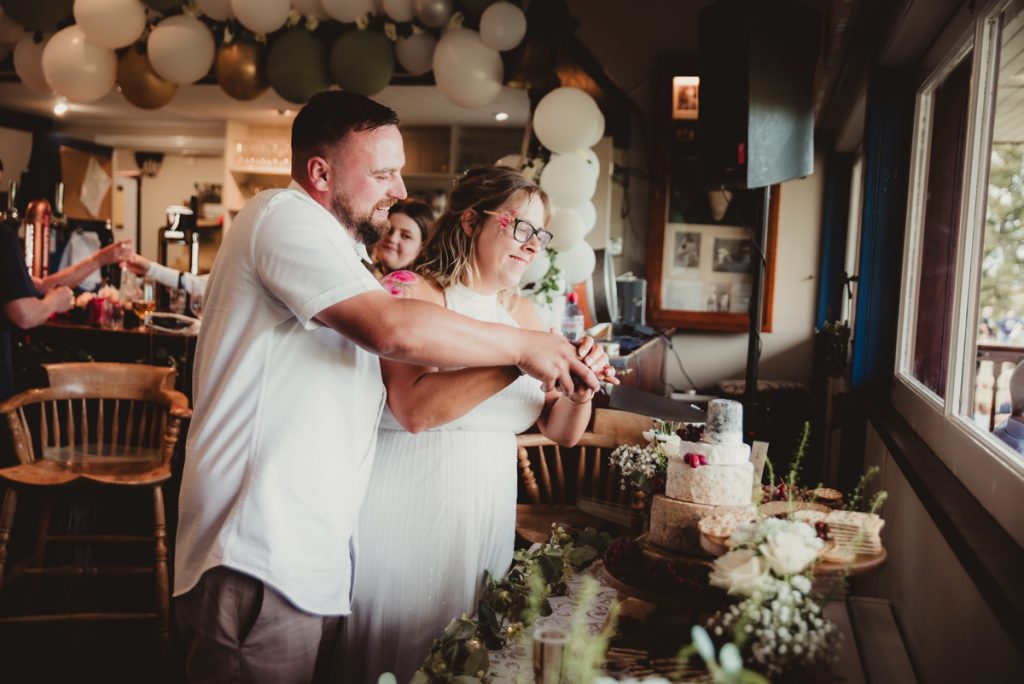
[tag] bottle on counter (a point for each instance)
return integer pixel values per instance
(572, 319)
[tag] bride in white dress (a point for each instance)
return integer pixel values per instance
(441, 505)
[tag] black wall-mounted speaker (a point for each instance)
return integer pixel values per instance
(757, 62)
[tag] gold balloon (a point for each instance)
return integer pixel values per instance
(242, 69)
(139, 84)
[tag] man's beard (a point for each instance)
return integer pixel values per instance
(367, 231)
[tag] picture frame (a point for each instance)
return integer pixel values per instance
(685, 97)
(700, 239)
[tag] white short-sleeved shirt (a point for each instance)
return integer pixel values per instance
(281, 444)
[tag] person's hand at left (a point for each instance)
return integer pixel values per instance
(114, 253)
(137, 264)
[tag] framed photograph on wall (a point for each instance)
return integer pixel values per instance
(685, 97)
(700, 246)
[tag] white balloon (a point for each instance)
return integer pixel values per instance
(399, 10)
(416, 53)
(110, 23)
(576, 263)
(10, 30)
(514, 161)
(502, 26)
(537, 269)
(433, 13)
(467, 72)
(567, 181)
(77, 69)
(567, 227)
(599, 131)
(181, 49)
(28, 62)
(590, 157)
(567, 119)
(265, 16)
(219, 10)
(588, 214)
(347, 11)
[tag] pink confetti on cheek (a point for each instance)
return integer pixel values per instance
(395, 291)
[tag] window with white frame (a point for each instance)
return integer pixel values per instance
(962, 321)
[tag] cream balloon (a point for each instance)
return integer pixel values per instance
(310, 8)
(265, 16)
(10, 30)
(576, 263)
(347, 11)
(218, 10)
(416, 52)
(433, 13)
(28, 63)
(467, 72)
(77, 69)
(110, 23)
(399, 10)
(537, 269)
(567, 119)
(502, 26)
(567, 227)
(181, 49)
(567, 181)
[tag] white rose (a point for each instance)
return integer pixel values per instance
(739, 572)
(109, 293)
(787, 552)
(650, 436)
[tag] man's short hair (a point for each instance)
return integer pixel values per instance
(328, 117)
(1017, 390)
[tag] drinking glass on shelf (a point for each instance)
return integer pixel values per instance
(196, 303)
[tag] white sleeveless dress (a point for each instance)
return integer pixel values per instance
(439, 511)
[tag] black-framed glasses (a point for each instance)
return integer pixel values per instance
(522, 230)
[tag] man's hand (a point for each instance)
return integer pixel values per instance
(60, 299)
(554, 361)
(111, 254)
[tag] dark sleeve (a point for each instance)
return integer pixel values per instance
(15, 282)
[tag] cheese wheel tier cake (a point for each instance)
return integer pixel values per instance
(712, 475)
(674, 523)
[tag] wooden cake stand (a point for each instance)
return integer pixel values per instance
(864, 562)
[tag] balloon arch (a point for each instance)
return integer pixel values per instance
(83, 49)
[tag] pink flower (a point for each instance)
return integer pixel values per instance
(402, 276)
(505, 219)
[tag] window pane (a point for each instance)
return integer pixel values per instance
(1001, 298)
(941, 217)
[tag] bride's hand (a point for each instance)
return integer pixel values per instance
(596, 359)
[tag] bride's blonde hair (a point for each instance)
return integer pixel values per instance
(449, 254)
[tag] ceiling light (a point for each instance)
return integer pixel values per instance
(60, 107)
(501, 116)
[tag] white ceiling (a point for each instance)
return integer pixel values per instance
(198, 113)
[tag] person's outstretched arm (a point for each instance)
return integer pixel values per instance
(76, 273)
(422, 333)
(28, 312)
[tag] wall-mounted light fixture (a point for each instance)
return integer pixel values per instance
(60, 106)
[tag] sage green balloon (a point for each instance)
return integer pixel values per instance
(362, 62)
(164, 6)
(40, 15)
(297, 65)
(476, 7)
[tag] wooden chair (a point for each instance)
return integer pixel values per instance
(104, 426)
(573, 487)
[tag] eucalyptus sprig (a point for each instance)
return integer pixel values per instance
(508, 605)
(858, 492)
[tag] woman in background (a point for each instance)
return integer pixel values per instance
(441, 505)
(410, 222)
